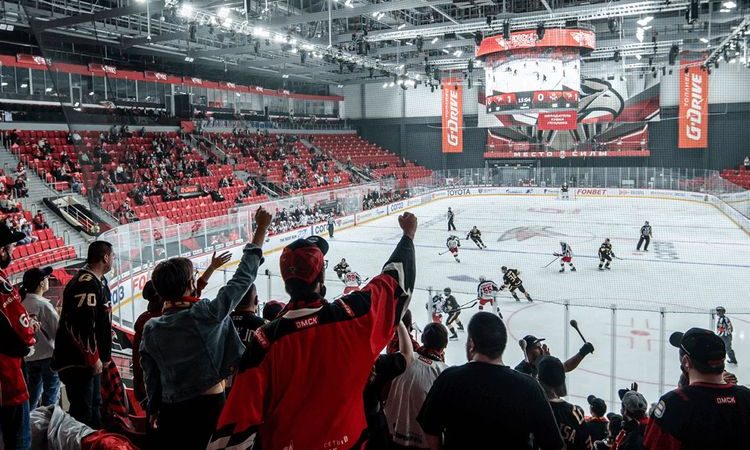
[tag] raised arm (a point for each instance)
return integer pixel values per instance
(247, 271)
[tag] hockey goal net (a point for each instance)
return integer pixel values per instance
(570, 195)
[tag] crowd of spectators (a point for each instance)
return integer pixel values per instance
(374, 199)
(296, 217)
(315, 377)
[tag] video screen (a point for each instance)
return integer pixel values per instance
(534, 79)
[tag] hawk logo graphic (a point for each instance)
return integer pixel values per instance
(526, 233)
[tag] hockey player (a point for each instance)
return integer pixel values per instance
(567, 256)
(476, 236)
(452, 308)
(512, 282)
(435, 307)
(564, 192)
(453, 242)
(341, 269)
(352, 282)
(486, 294)
(605, 255)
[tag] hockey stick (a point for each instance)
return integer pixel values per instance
(439, 254)
(548, 264)
(461, 308)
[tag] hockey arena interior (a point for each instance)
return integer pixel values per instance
(375, 224)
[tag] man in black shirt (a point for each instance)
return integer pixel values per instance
(245, 316)
(484, 403)
(707, 413)
(597, 422)
(570, 418)
(535, 350)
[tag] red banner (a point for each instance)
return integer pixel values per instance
(453, 116)
(553, 37)
(31, 59)
(101, 68)
(558, 121)
(562, 154)
(693, 108)
(154, 76)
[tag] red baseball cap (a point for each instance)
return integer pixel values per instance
(303, 259)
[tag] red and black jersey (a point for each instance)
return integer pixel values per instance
(570, 419)
(301, 379)
(84, 334)
(701, 416)
(16, 340)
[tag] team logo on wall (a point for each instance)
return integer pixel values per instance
(526, 233)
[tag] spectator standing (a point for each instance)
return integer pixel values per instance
(43, 382)
(597, 423)
(475, 405)
(408, 391)
(634, 420)
(189, 352)
(272, 309)
(245, 316)
(570, 418)
(387, 367)
(84, 336)
(707, 413)
(335, 344)
(535, 350)
(724, 330)
(153, 309)
(16, 339)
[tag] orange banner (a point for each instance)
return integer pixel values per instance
(453, 116)
(693, 108)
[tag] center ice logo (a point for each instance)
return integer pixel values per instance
(526, 233)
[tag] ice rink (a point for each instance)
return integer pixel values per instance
(697, 261)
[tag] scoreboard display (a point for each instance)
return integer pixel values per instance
(513, 101)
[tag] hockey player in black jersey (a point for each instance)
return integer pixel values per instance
(512, 282)
(476, 236)
(605, 255)
(452, 308)
(341, 269)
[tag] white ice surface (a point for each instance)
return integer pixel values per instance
(698, 259)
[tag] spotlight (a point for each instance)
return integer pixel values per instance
(616, 56)
(489, 21)
(471, 66)
(674, 51)
(693, 12)
(506, 29)
(612, 24)
(420, 43)
(540, 30)
(478, 37)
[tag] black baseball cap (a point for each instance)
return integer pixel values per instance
(551, 372)
(532, 340)
(702, 345)
(33, 277)
(598, 406)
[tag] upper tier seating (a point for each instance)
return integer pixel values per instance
(360, 153)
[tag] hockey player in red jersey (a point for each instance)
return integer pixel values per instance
(567, 256)
(453, 243)
(352, 282)
(486, 294)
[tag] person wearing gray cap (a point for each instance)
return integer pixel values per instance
(706, 413)
(724, 330)
(634, 419)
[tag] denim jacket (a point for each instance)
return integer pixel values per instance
(187, 351)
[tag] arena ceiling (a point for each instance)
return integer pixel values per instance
(338, 42)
